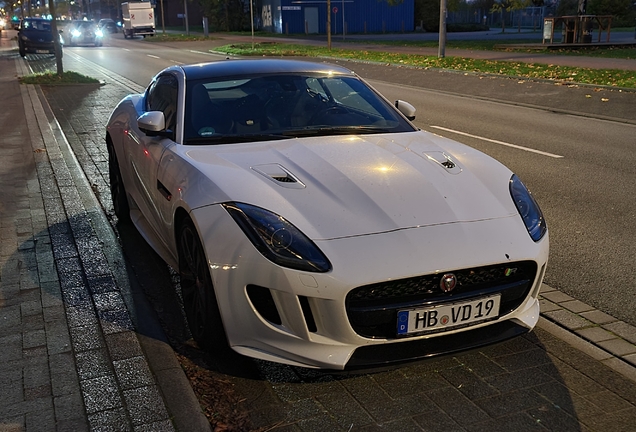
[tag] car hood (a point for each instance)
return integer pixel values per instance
(32, 34)
(334, 187)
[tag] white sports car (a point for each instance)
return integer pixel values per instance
(312, 224)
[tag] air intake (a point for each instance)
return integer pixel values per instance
(278, 174)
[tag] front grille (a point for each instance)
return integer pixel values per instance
(372, 309)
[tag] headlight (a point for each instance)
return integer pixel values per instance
(76, 33)
(528, 208)
(278, 240)
(24, 38)
(99, 33)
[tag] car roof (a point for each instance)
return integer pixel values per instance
(229, 68)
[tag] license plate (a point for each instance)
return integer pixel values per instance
(447, 316)
(41, 51)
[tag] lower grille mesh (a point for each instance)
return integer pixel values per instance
(372, 309)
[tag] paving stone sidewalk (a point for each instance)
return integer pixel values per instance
(70, 358)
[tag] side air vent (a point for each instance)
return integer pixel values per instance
(308, 314)
(280, 175)
(264, 303)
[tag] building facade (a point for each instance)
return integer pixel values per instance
(347, 16)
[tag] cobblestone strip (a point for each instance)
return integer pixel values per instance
(615, 339)
(39, 386)
(118, 390)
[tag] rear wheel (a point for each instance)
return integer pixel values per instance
(199, 300)
(117, 189)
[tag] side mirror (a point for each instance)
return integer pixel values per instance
(405, 108)
(152, 122)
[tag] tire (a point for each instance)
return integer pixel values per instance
(117, 189)
(22, 50)
(199, 300)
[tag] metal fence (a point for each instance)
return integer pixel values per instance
(527, 18)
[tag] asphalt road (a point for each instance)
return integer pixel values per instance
(573, 146)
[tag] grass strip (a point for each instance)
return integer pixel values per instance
(175, 37)
(52, 78)
(604, 77)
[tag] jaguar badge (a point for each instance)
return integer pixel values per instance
(448, 282)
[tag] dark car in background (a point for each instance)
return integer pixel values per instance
(36, 36)
(85, 33)
(107, 25)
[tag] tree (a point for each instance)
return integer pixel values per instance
(427, 12)
(226, 15)
(617, 8)
(56, 39)
(509, 5)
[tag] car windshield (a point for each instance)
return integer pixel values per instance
(85, 25)
(245, 109)
(37, 25)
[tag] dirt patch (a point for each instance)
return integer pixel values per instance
(221, 405)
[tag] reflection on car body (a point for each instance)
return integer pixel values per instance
(312, 224)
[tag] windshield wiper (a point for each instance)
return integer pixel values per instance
(233, 139)
(336, 130)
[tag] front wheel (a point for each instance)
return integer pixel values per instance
(199, 300)
(117, 189)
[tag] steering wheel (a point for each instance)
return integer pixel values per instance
(327, 116)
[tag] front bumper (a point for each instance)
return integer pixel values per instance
(35, 47)
(301, 318)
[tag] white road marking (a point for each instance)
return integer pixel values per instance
(150, 55)
(552, 155)
(207, 53)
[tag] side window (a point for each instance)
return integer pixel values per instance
(162, 96)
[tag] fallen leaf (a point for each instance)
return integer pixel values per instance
(588, 96)
(604, 100)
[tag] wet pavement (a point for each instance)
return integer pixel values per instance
(84, 347)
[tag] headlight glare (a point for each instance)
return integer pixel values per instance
(76, 33)
(99, 33)
(528, 209)
(277, 239)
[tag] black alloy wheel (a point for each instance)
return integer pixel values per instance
(199, 300)
(117, 189)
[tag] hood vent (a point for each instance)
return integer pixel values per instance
(445, 161)
(279, 175)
